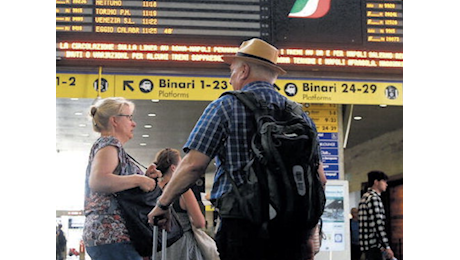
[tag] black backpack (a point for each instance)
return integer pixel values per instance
(282, 183)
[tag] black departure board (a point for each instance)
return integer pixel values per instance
(341, 35)
(162, 17)
(384, 21)
(363, 24)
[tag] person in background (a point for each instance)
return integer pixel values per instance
(373, 238)
(354, 234)
(187, 209)
(222, 133)
(111, 170)
(316, 238)
(61, 243)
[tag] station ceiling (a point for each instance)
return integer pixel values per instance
(167, 124)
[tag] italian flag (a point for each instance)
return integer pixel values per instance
(310, 8)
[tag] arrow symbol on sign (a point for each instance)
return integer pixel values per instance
(126, 84)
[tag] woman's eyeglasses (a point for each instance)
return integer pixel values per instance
(130, 117)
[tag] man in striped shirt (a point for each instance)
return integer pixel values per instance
(372, 236)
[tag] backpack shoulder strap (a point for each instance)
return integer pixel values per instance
(247, 98)
(294, 107)
(251, 101)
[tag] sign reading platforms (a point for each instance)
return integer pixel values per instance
(208, 88)
(320, 98)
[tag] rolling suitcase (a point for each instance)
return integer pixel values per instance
(164, 237)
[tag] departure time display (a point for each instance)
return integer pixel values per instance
(321, 34)
(229, 18)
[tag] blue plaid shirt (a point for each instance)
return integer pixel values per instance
(222, 131)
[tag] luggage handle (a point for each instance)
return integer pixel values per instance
(164, 237)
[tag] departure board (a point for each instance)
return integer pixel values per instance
(384, 20)
(369, 24)
(161, 17)
(332, 35)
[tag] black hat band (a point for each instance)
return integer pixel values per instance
(241, 54)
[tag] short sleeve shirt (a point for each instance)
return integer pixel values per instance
(223, 130)
(104, 223)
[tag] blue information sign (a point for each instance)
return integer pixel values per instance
(329, 144)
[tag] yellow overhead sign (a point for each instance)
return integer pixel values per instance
(325, 116)
(342, 91)
(203, 88)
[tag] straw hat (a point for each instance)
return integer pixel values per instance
(257, 51)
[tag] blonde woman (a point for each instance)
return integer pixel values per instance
(111, 170)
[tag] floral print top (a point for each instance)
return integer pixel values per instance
(104, 223)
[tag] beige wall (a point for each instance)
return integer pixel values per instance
(384, 153)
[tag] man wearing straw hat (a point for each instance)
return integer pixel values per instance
(222, 133)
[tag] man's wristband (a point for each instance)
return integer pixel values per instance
(163, 207)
